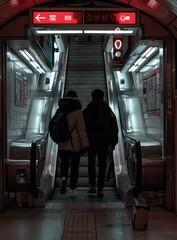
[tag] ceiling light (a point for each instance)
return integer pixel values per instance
(31, 60)
(59, 31)
(84, 31)
(108, 31)
(21, 65)
(146, 52)
(133, 68)
(137, 62)
(29, 55)
(153, 4)
(141, 61)
(143, 58)
(151, 52)
(23, 53)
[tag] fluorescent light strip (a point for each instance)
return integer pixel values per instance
(39, 69)
(26, 55)
(133, 68)
(137, 62)
(84, 31)
(37, 66)
(29, 55)
(142, 59)
(146, 52)
(151, 52)
(109, 31)
(59, 31)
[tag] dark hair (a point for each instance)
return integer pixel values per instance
(71, 94)
(97, 94)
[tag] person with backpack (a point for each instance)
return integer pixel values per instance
(76, 146)
(102, 130)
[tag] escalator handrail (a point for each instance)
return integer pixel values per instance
(138, 159)
(34, 146)
(33, 169)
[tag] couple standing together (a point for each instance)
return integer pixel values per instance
(94, 131)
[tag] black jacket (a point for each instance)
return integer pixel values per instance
(101, 125)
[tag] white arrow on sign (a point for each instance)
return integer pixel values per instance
(38, 18)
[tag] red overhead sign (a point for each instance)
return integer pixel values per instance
(57, 17)
(84, 17)
(109, 17)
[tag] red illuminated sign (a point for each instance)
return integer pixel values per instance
(104, 17)
(57, 17)
(87, 17)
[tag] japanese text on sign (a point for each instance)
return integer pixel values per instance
(123, 18)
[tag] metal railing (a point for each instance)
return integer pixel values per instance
(134, 163)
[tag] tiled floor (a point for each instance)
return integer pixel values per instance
(81, 220)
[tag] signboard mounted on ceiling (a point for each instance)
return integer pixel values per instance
(83, 18)
(56, 17)
(116, 21)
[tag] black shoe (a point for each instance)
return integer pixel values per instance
(100, 194)
(92, 189)
(63, 185)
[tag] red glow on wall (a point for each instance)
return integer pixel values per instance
(14, 3)
(57, 17)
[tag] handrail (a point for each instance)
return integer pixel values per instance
(36, 143)
(33, 169)
(138, 164)
(138, 182)
(33, 179)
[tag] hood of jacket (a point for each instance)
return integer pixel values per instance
(67, 104)
(97, 107)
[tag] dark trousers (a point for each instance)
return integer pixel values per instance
(101, 153)
(71, 159)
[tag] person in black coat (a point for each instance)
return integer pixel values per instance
(102, 130)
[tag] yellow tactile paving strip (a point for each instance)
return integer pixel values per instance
(79, 226)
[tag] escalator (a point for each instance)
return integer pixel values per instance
(139, 161)
(85, 67)
(32, 161)
(143, 170)
(31, 164)
(85, 72)
(33, 167)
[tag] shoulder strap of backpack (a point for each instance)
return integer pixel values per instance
(71, 130)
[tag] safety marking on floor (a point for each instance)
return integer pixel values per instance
(51, 210)
(79, 226)
(120, 211)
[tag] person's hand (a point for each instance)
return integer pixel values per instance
(83, 151)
